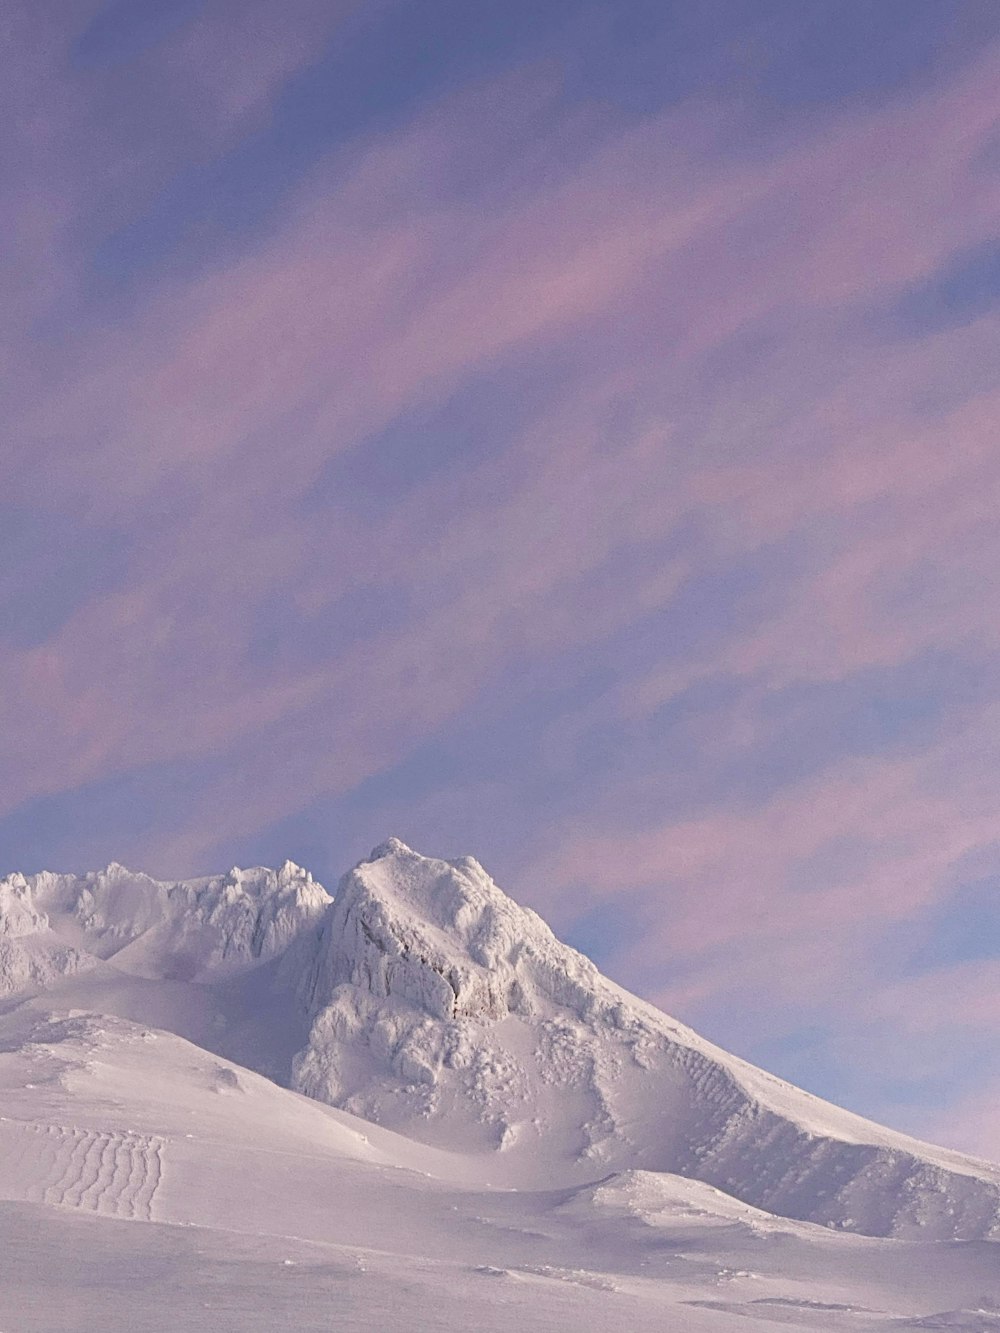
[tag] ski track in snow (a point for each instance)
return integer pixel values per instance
(112, 1174)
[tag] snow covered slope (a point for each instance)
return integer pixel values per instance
(447, 1012)
(146, 1184)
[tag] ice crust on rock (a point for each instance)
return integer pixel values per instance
(183, 929)
(31, 954)
(447, 1012)
(442, 935)
(420, 963)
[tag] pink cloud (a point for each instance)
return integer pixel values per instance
(323, 296)
(946, 1000)
(234, 389)
(968, 1123)
(922, 813)
(227, 65)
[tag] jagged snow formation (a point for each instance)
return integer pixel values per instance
(56, 925)
(445, 1011)
(30, 953)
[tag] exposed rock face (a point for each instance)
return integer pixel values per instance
(443, 1009)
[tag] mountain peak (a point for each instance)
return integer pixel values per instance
(425, 971)
(438, 934)
(392, 846)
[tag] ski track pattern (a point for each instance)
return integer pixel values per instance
(113, 1174)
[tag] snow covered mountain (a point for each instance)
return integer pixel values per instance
(447, 1012)
(446, 1084)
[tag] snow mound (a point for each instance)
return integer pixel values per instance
(658, 1199)
(447, 1012)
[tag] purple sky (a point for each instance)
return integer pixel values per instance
(563, 432)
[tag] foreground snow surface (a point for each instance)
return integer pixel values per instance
(149, 1179)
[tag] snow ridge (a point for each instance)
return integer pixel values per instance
(53, 925)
